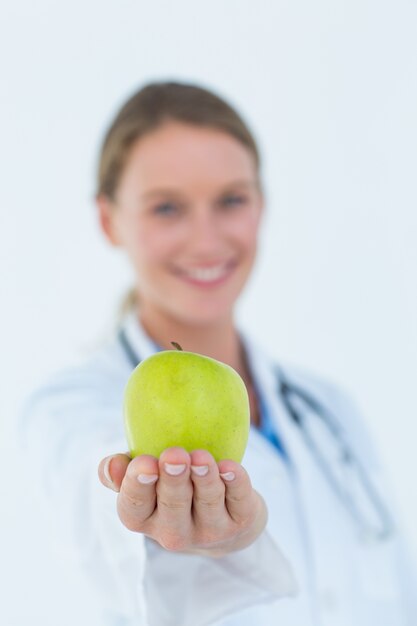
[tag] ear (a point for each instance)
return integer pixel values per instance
(107, 219)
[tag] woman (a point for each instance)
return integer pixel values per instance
(277, 540)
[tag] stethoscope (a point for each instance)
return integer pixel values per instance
(351, 484)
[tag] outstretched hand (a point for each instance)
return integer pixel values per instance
(186, 502)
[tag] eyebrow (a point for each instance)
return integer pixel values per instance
(176, 192)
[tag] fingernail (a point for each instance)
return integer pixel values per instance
(174, 470)
(200, 470)
(106, 472)
(228, 475)
(146, 479)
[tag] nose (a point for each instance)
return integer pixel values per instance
(205, 233)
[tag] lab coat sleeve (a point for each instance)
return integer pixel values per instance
(212, 589)
(67, 427)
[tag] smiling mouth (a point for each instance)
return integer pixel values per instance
(208, 276)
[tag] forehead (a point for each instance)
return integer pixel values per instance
(180, 154)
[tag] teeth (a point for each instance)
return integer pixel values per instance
(207, 274)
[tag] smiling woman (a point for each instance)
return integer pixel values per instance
(179, 191)
(186, 211)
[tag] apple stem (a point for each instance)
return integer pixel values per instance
(177, 346)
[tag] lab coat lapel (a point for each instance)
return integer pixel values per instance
(138, 340)
(324, 531)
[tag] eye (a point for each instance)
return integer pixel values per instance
(166, 208)
(233, 200)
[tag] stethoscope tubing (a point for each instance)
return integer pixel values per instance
(347, 456)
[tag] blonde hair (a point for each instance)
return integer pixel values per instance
(146, 110)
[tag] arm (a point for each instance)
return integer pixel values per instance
(68, 427)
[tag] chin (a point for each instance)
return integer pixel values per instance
(199, 314)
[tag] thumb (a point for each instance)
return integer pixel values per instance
(112, 470)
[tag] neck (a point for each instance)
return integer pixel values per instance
(218, 340)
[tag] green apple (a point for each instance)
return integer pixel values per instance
(179, 398)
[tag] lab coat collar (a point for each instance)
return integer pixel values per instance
(142, 344)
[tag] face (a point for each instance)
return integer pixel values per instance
(187, 211)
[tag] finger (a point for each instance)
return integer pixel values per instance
(112, 469)
(240, 497)
(174, 493)
(137, 498)
(209, 491)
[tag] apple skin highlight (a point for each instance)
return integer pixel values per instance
(179, 398)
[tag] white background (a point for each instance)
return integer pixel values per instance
(329, 88)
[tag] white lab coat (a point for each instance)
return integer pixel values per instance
(308, 568)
